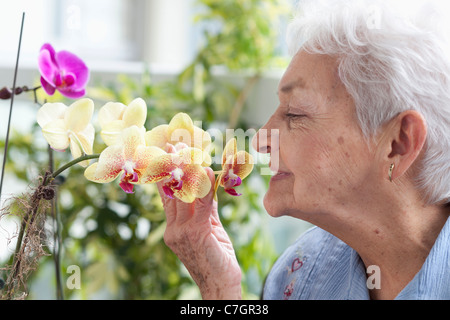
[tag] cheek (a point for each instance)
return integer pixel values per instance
(322, 165)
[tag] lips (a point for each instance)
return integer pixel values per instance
(280, 176)
(278, 173)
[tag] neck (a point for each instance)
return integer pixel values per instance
(396, 236)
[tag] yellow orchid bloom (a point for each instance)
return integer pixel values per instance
(114, 117)
(65, 127)
(130, 157)
(180, 129)
(181, 173)
(236, 166)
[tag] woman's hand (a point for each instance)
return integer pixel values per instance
(195, 234)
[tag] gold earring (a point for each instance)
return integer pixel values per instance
(391, 170)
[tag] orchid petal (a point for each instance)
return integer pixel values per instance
(132, 138)
(69, 92)
(69, 79)
(158, 136)
(181, 129)
(111, 111)
(217, 183)
(75, 149)
(229, 150)
(48, 88)
(112, 132)
(127, 187)
(207, 160)
(181, 120)
(57, 79)
(69, 62)
(79, 114)
(190, 156)
(242, 164)
(202, 139)
(51, 50)
(135, 113)
(56, 134)
(168, 191)
(91, 174)
(145, 155)
(47, 66)
(196, 184)
(110, 164)
(233, 192)
(86, 138)
(50, 112)
(160, 168)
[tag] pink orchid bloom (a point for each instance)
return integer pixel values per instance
(236, 166)
(62, 71)
(129, 158)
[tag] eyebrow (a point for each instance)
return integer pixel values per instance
(299, 83)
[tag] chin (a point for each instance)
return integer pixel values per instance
(274, 204)
(280, 203)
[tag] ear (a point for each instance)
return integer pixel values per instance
(407, 138)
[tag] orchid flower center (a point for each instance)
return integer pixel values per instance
(231, 180)
(64, 80)
(174, 182)
(129, 167)
(128, 176)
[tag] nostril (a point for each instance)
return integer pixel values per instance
(264, 149)
(261, 141)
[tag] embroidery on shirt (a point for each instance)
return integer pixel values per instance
(296, 264)
(288, 290)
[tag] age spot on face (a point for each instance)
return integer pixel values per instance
(341, 140)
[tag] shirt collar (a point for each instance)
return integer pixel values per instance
(433, 279)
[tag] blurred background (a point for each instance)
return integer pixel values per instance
(218, 60)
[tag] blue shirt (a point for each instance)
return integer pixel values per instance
(319, 266)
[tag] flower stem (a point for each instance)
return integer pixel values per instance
(57, 235)
(73, 162)
(56, 216)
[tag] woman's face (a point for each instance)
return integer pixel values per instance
(321, 160)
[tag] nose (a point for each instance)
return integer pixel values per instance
(266, 139)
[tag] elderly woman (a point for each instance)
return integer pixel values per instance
(362, 151)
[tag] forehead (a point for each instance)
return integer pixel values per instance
(310, 72)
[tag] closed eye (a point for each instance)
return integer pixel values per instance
(295, 120)
(294, 116)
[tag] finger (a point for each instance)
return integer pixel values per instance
(185, 211)
(200, 209)
(207, 206)
(168, 204)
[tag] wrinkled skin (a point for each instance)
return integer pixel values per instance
(195, 234)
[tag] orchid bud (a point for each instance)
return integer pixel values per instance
(5, 93)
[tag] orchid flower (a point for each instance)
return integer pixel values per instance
(114, 117)
(236, 166)
(129, 158)
(181, 174)
(180, 129)
(62, 71)
(65, 127)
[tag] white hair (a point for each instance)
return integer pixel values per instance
(393, 56)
